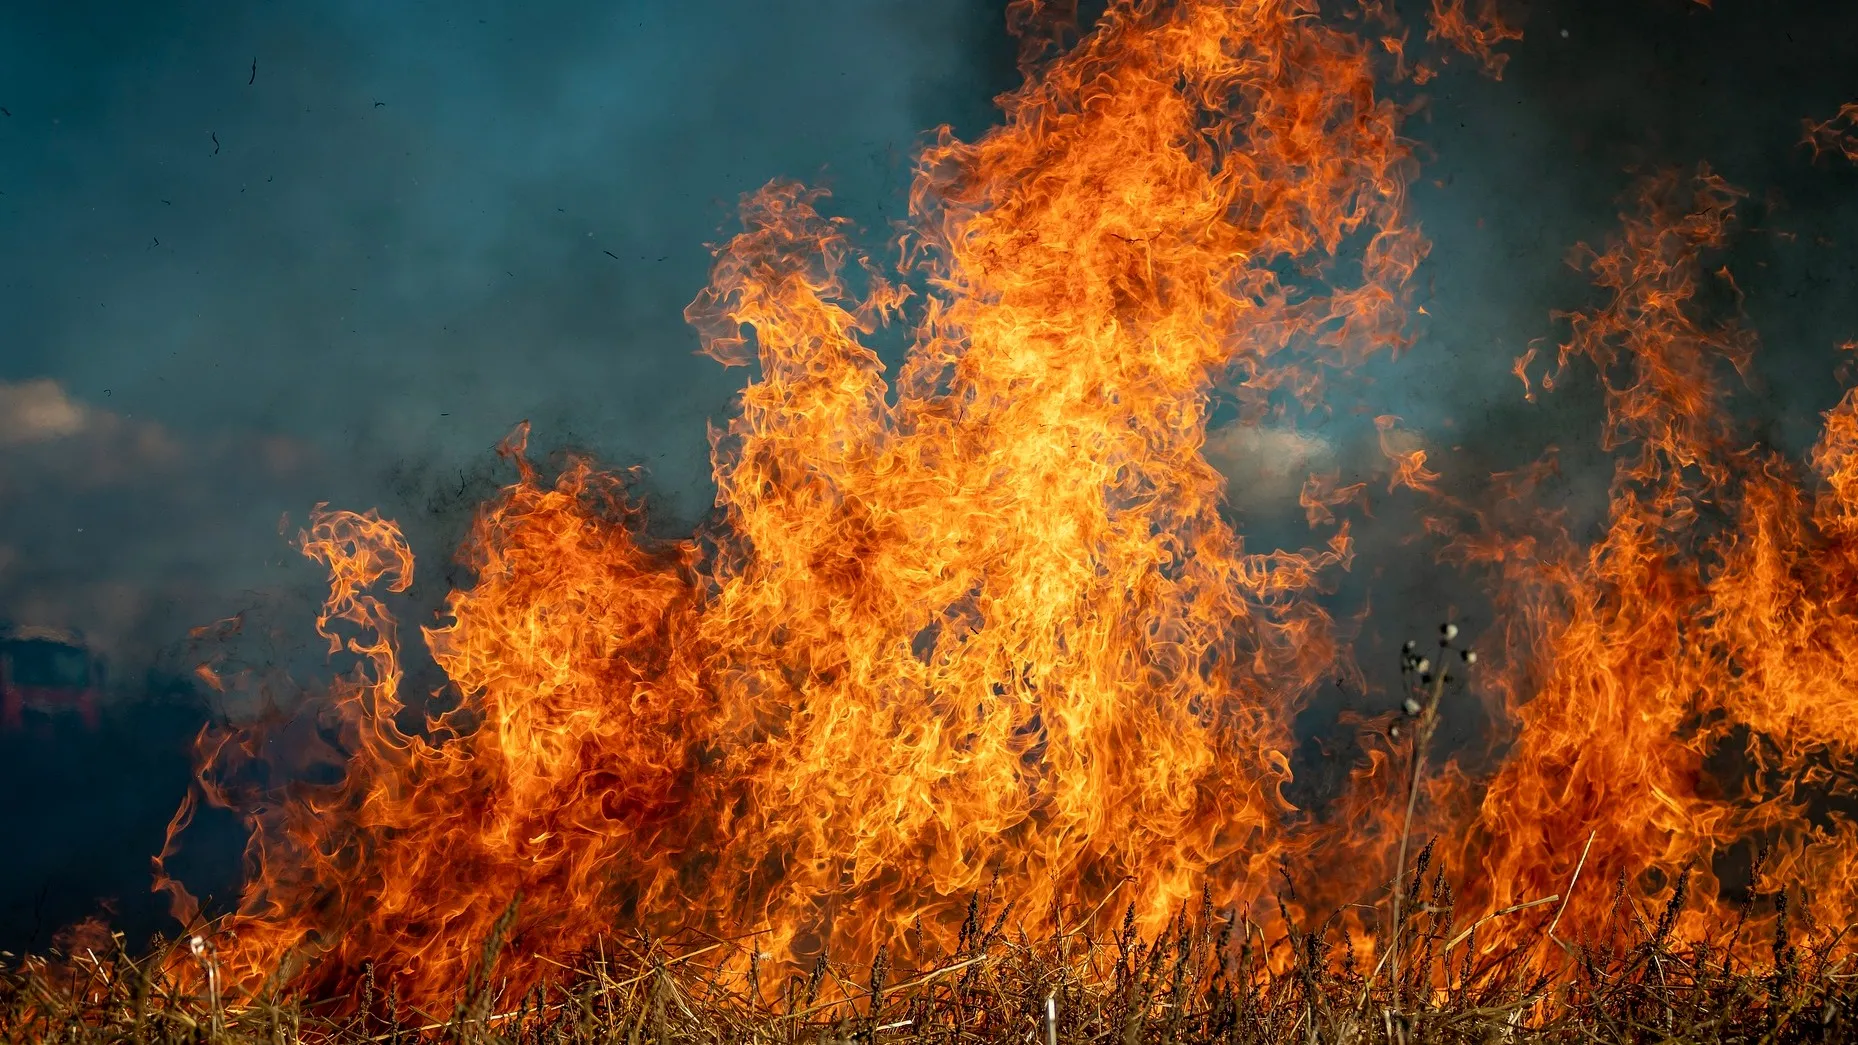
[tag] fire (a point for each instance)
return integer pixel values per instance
(984, 618)
(1405, 455)
(1838, 135)
(1686, 692)
(1478, 33)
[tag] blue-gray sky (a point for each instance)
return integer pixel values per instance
(344, 274)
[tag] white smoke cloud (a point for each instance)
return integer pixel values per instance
(1266, 466)
(38, 411)
(117, 527)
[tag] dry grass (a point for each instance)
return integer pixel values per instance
(1210, 978)
(1213, 976)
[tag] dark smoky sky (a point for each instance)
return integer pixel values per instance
(1520, 170)
(229, 293)
(346, 273)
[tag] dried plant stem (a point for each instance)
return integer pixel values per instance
(1170, 987)
(1422, 734)
(1511, 909)
(1569, 894)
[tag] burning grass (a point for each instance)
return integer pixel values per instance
(985, 613)
(1210, 976)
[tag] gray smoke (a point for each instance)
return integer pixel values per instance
(261, 258)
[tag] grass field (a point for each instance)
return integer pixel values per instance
(1210, 978)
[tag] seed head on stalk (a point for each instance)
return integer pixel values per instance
(1424, 682)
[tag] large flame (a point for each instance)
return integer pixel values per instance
(987, 619)
(1684, 689)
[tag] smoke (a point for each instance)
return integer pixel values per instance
(1594, 97)
(334, 254)
(1516, 172)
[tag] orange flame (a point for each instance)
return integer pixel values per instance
(985, 620)
(1691, 690)
(1478, 33)
(1838, 135)
(1405, 455)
